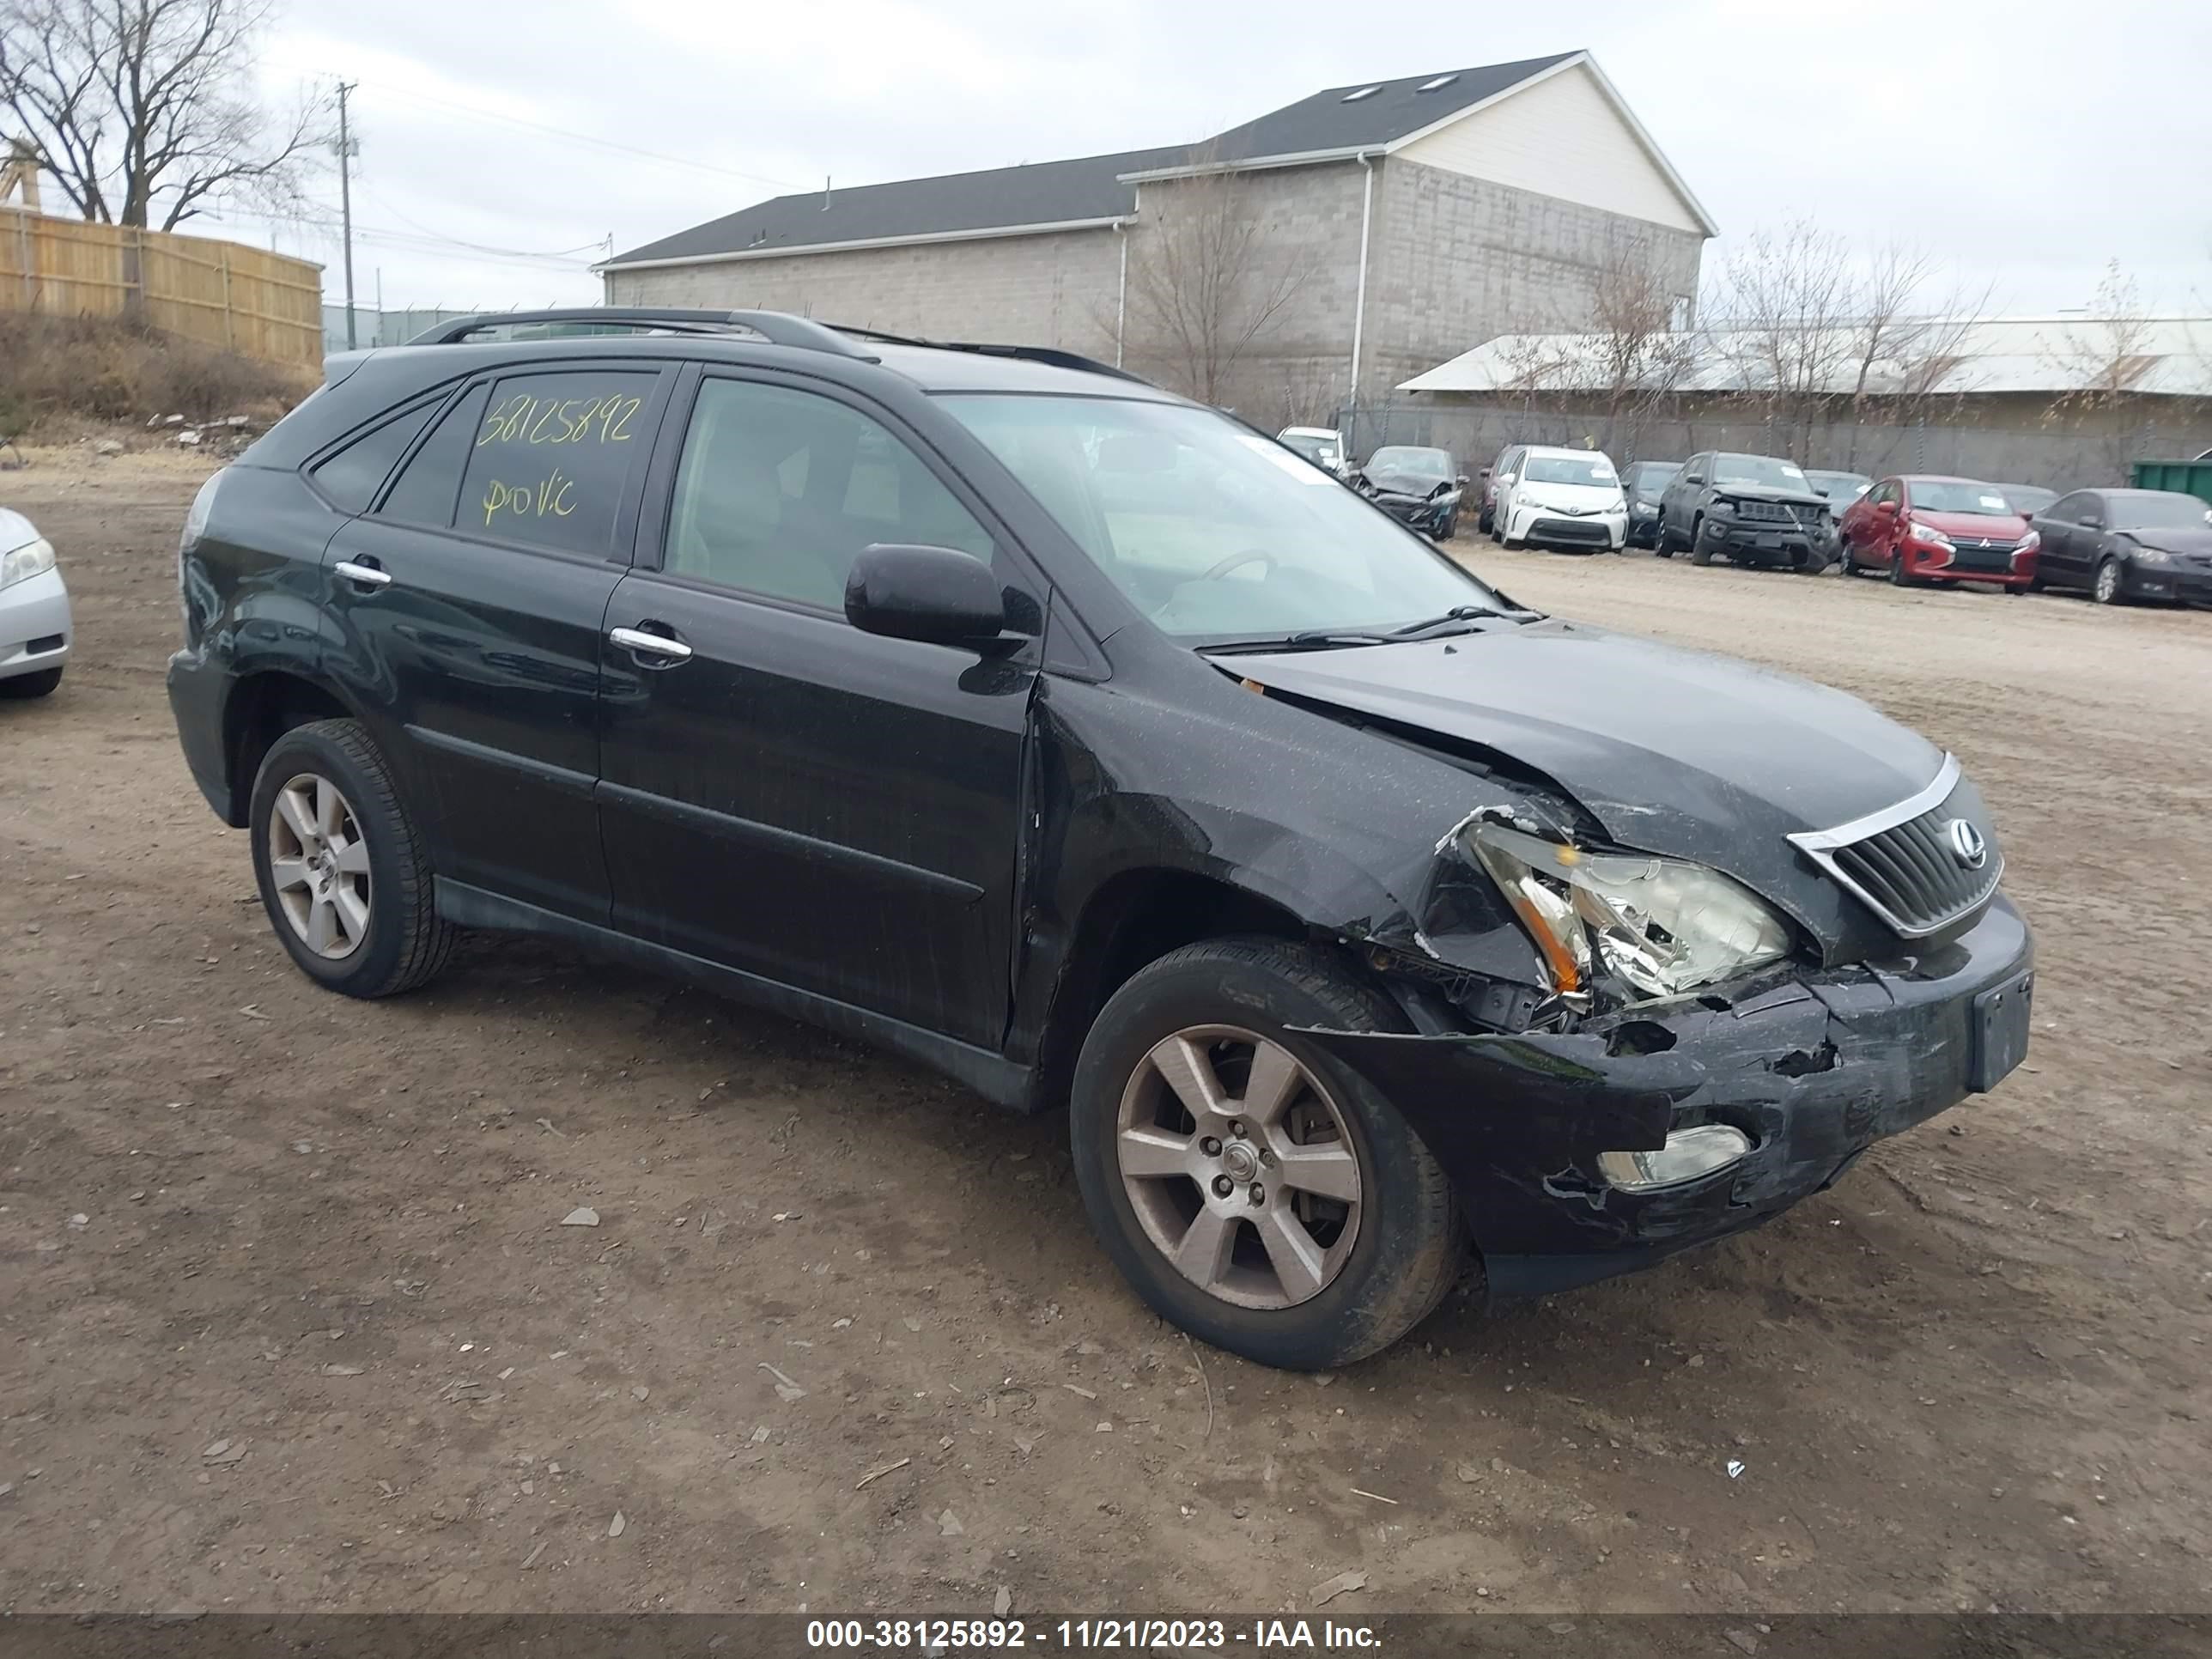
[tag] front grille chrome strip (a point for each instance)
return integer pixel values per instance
(1909, 868)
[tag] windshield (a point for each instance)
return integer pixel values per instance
(1594, 471)
(1404, 461)
(1954, 495)
(1321, 450)
(1840, 486)
(1647, 480)
(1761, 472)
(2159, 510)
(1212, 531)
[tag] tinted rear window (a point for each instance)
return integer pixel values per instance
(351, 478)
(426, 490)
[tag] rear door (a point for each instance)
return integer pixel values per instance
(782, 794)
(2062, 559)
(467, 607)
(1677, 505)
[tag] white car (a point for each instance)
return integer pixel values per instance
(1562, 498)
(1322, 444)
(34, 611)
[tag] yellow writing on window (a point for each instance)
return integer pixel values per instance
(522, 418)
(548, 498)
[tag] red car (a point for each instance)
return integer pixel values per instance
(1930, 529)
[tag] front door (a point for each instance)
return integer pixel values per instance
(469, 604)
(782, 794)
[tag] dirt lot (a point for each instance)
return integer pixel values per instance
(290, 1320)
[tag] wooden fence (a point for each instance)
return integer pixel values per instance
(220, 293)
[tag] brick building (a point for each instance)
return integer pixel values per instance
(1381, 227)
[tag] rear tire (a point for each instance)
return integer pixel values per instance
(350, 894)
(1379, 1264)
(26, 686)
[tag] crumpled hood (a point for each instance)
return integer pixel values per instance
(15, 530)
(1772, 493)
(2188, 540)
(1671, 750)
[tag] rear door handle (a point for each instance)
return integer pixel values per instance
(367, 575)
(671, 651)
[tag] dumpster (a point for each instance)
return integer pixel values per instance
(2190, 477)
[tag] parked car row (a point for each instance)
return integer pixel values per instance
(1766, 511)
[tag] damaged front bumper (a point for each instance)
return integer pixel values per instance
(1813, 1067)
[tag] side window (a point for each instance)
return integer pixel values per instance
(426, 486)
(552, 456)
(1888, 490)
(350, 478)
(778, 490)
(2088, 507)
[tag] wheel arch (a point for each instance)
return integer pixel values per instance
(262, 706)
(1130, 920)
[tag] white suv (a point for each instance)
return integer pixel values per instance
(1562, 498)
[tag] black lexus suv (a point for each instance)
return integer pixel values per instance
(1082, 742)
(1752, 510)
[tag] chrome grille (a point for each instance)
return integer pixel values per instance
(1904, 863)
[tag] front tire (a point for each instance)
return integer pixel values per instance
(2109, 586)
(341, 868)
(1253, 1189)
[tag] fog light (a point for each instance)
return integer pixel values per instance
(1688, 1154)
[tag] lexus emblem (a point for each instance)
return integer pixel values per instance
(1967, 845)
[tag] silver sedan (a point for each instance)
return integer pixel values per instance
(34, 610)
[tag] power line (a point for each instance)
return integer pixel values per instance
(475, 247)
(385, 90)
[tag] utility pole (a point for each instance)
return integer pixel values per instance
(346, 149)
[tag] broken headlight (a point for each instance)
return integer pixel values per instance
(1662, 926)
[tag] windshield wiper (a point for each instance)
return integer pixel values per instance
(1331, 639)
(1458, 613)
(1311, 639)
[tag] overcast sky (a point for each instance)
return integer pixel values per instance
(2026, 143)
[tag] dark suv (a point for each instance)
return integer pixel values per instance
(1082, 742)
(1752, 509)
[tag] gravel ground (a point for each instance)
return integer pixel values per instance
(291, 1319)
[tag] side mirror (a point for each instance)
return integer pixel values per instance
(936, 594)
(1505, 477)
(1887, 508)
(1462, 481)
(1484, 475)
(2093, 522)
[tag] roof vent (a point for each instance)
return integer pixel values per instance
(1364, 92)
(1441, 80)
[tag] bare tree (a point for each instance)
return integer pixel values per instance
(1900, 348)
(1785, 294)
(2104, 358)
(1639, 352)
(1210, 280)
(141, 110)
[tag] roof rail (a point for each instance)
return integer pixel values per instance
(776, 327)
(1050, 355)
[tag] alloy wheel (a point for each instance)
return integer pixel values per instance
(1241, 1169)
(2108, 581)
(319, 866)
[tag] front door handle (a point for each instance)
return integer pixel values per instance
(671, 651)
(367, 575)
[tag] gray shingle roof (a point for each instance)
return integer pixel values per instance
(1396, 108)
(1090, 187)
(1043, 193)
